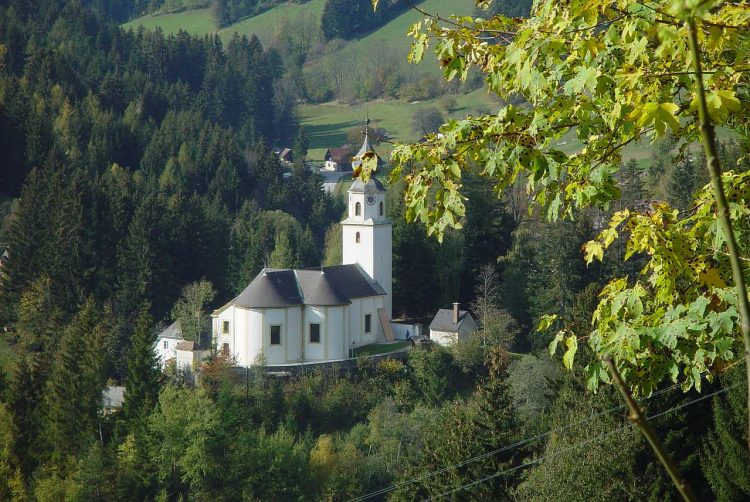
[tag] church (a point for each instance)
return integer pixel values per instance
(312, 315)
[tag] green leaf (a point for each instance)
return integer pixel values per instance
(660, 115)
(454, 169)
(553, 344)
(584, 79)
(596, 373)
(591, 250)
(674, 371)
(418, 47)
(720, 104)
(546, 321)
(572, 346)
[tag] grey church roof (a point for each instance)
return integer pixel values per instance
(373, 185)
(271, 289)
(443, 320)
(317, 288)
(366, 147)
(350, 281)
(336, 285)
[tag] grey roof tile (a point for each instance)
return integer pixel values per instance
(317, 289)
(350, 281)
(172, 331)
(336, 285)
(373, 185)
(443, 320)
(271, 289)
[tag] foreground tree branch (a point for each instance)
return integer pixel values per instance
(708, 139)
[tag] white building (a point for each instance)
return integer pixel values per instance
(311, 315)
(449, 326)
(189, 355)
(166, 344)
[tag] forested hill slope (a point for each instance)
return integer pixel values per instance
(370, 67)
(142, 163)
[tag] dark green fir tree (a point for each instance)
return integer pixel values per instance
(143, 376)
(73, 392)
(725, 455)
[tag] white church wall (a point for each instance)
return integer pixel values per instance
(338, 341)
(357, 252)
(316, 351)
(245, 328)
(383, 262)
(217, 329)
(289, 320)
(354, 323)
(357, 310)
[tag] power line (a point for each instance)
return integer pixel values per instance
(503, 449)
(528, 464)
(578, 445)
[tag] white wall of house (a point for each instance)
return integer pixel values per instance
(289, 319)
(444, 338)
(165, 349)
(189, 359)
(331, 165)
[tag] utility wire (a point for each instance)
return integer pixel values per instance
(503, 449)
(578, 445)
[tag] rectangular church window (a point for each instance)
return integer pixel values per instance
(314, 333)
(275, 335)
(368, 323)
(225, 327)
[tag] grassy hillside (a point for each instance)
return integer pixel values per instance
(393, 34)
(201, 21)
(326, 124)
(198, 22)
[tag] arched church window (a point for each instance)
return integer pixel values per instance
(357, 209)
(381, 208)
(356, 237)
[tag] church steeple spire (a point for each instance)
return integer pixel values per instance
(366, 147)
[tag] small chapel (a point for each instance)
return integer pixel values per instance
(295, 316)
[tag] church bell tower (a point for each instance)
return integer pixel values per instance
(367, 233)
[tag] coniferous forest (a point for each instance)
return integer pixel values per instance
(139, 185)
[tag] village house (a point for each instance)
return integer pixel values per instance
(171, 348)
(451, 325)
(338, 159)
(286, 156)
(295, 316)
(166, 344)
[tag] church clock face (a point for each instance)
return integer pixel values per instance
(370, 200)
